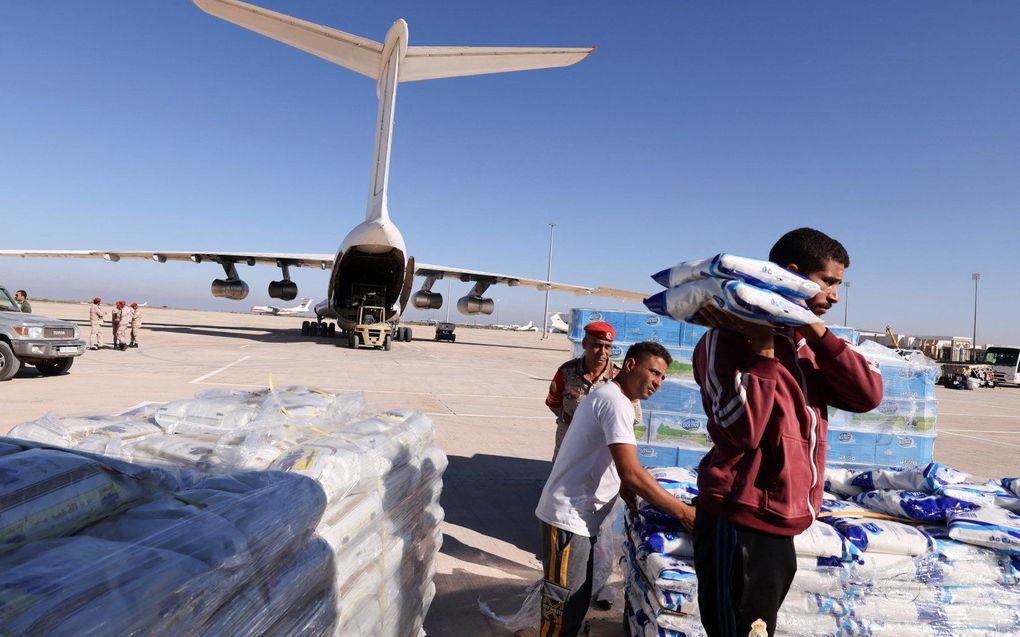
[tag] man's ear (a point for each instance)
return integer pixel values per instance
(628, 364)
(793, 267)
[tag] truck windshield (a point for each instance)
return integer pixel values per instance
(7, 302)
(1002, 356)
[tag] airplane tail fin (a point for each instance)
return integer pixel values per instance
(365, 56)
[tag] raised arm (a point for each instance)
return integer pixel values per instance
(848, 380)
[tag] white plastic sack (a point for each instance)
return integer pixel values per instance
(874, 535)
(48, 493)
(839, 482)
(931, 478)
(822, 540)
(762, 274)
(913, 505)
(991, 527)
(740, 299)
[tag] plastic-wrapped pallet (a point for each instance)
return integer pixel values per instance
(280, 512)
(884, 578)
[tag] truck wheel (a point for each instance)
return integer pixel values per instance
(453, 338)
(387, 342)
(9, 363)
(331, 331)
(304, 328)
(352, 340)
(54, 367)
(407, 334)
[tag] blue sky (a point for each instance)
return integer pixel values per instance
(695, 128)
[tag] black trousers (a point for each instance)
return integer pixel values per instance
(743, 575)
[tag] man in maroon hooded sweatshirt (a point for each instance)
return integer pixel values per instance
(765, 392)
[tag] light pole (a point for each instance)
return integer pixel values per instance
(973, 342)
(548, 279)
(846, 301)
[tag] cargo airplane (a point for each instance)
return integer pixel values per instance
(372, 266)
(306, 305)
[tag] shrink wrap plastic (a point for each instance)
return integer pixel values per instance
(923, 581)
(281, 512)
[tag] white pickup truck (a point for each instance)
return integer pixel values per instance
(28, 339)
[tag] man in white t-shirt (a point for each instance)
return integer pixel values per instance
(597, 461)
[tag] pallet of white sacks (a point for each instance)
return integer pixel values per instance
(278, 512)
(950, 567)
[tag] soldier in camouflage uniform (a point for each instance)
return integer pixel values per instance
(96, 316)
(124, 325)
(577, 378)
(118, 309)
(136, 324)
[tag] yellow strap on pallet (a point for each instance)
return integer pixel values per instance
(867, 514)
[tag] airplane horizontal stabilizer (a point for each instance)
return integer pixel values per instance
(434, 62)
(364, 56)
(356, 53)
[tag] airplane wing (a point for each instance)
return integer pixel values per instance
(324, 262)
(321, 261)
(460, 274)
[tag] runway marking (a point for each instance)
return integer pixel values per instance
(244, 346)
(138, 406)
(953, 413)
(366, 391)
(493, 416)
(217, 371)
(991, 442)
(975, 431)
(531, 376)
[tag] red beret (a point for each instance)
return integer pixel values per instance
(600, 329)
(97, 300)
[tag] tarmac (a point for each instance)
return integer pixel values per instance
(484, 393)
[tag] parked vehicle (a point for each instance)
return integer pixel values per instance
(1005, 363)
(29, 339)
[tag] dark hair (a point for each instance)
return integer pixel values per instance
(808, 249)
(22, 293)
(641, 351)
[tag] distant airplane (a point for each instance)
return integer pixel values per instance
(371, 267)
(530, 327)
(306, 305)
(557, 324)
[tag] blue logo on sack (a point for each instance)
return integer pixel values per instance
(615, 351)
(690, 424)
(905, 442)
(888, 408)
(595, 316)
(647, 452)
(652, 320)
(845, 437)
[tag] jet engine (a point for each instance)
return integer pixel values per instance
(283, 290)
(235, 289)
(426, 300)
(472, 304)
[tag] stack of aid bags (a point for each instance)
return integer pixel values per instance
(922, 551)
(759, 291)
(751, 289)
(278, 512)
(899, 432)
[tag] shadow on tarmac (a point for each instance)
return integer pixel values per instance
(495, 496)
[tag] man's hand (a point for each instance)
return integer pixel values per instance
(686, 517)
(759, 336)
(629, 497)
